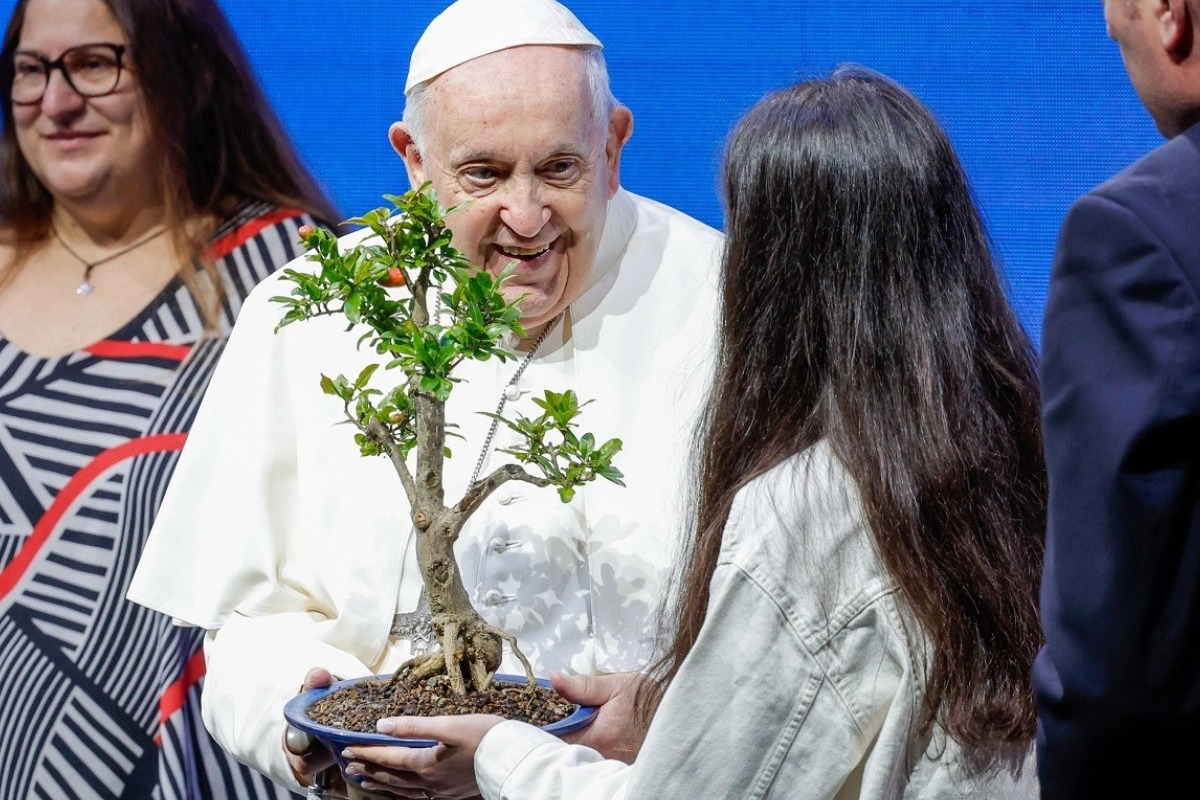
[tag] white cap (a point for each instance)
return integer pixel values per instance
(469, 29)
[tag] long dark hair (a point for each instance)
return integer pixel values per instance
(219, 140)
(862, 307)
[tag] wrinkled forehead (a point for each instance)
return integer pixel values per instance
(533, 71)
(530, 92)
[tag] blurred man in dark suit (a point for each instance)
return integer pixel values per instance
(1118, 681)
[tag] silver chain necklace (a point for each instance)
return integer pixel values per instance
(86, 287)
(417, 625)
(509, 392)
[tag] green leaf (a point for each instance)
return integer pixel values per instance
(610, 448)
(611, 473)
(363, 409)
(342, 388)
(365, 375)
(566, 493)
(353, 306)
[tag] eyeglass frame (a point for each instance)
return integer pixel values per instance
(60, 64)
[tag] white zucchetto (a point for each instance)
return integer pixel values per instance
(469, 29)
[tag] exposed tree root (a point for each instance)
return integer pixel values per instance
(468, 651)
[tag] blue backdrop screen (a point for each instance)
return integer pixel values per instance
(1032, 92)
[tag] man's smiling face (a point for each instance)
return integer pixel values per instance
(514, 135)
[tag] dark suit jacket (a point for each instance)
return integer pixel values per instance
(1118, 682)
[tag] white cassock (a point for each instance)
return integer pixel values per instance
(294, 551)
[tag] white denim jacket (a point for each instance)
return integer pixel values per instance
(804, 682)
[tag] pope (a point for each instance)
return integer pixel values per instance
(296, 554)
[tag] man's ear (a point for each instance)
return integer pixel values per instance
(1175, 22)
(620, 128)
(406, 148)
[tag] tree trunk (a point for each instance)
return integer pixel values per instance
(470, 648)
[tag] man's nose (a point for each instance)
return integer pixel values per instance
(523, 210)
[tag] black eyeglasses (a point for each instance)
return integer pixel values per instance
(92, 70)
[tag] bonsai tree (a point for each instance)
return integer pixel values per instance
(450, 312)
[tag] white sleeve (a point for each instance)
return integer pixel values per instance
(236, 550)
(224, 535)
(255, 665)
(544, 766)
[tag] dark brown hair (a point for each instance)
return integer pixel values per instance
(862, 307)
(219, 139)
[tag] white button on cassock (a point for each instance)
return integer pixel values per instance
(493, 598)
(504, 498)
(512, 392)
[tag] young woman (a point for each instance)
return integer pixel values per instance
(146, 187)
(858, 612)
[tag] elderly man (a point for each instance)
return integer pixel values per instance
(1118, 682)
(294, 552)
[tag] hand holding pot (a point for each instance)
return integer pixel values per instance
(446, 770)
(615, 732)
(305, 755)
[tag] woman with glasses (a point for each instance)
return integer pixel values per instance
(146, 187)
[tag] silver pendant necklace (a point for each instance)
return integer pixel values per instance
(86, 287)
(417, 625)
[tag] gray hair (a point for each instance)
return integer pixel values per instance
(603, 100)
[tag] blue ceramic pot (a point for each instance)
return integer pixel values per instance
(337, 739)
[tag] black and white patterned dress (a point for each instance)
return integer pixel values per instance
(99, 698)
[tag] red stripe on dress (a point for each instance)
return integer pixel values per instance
(108, 348)
(239, 236)
(175, 695)
(15, 569)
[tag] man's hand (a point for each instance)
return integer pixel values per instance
(305, 755)
(614, 733)
(446, 770)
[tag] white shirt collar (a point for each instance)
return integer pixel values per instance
(619, 222)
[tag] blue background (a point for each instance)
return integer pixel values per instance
(1032, 93)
